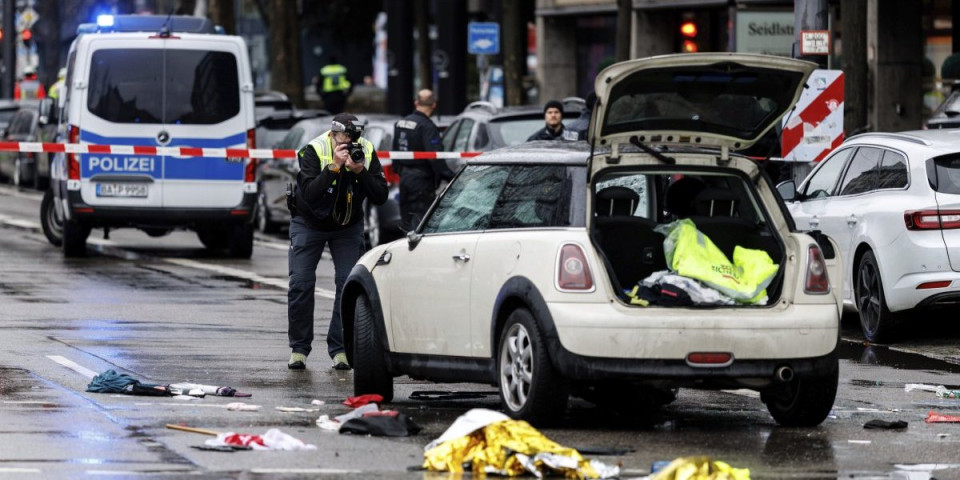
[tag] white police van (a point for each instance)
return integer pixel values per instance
(155, 81)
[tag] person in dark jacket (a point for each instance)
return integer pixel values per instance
(553, 117)
(581, 124)
(338, 170)
(419, 179)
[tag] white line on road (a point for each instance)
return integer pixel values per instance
(19, 470)
(234, 272)
(73, 366)
(326, 471)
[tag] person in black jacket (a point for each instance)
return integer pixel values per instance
(553, 117)
(419, 179)
(338, 170)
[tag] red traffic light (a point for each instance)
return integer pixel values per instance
(689, 46)
(27, 35)
(688, 29)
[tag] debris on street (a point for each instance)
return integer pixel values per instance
(934, 417)
(387, 423)
(296, 409)
(112, 382)
(274, 439)
(242, 407)
(490, 442)
(885, 425)
(700, 468)
(362, 400)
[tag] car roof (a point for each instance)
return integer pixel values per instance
(572, 108)
(539, 152)
(934, 141)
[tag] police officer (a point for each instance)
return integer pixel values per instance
(58, 85)
(334, 87)
(338, 169)
(29, 88)
(553, 130)
(419, 179)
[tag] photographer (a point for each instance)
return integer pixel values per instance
(338, 170)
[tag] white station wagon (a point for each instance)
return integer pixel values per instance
(524, 273)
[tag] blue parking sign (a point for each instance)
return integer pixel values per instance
(483, 38)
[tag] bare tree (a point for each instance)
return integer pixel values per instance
(421, 13)
(285, 70)
(514, 52)
(222, 13)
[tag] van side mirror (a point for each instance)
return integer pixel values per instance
(787, 190)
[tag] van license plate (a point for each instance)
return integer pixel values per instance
(121, 189)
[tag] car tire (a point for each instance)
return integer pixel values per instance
(878, 323)
(806, 400)
(75, 238)
(17, 172)
(530, 388)
(265, 222)
(370, 373)
(240, 242)
(214, 238)
(50, 220)
(371, 227)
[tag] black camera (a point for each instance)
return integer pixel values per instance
(356, 152)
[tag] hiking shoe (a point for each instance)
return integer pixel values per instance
(298, 361)
(340, 361)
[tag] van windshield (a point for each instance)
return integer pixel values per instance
(131, 86)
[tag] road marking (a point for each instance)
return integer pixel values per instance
(743, 392)
(327, 471)
(273, 245)
(253, 277)
(73, 366)
(19, 470)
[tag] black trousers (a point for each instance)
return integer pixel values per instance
(417, 192)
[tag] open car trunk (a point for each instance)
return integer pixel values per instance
(633, 204)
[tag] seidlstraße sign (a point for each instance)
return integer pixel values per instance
(767, 32)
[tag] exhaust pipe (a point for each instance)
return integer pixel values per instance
(784, 374)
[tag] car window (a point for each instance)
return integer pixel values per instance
(514, 131)
(637, 205)
(468, 202)
(893, 170)
(943, 173)
(533, 196)
(862, 174)
(824, 179)
(463, 134)
(20, 124)
(482, 141)
(449, 135)
(291, 140)
(164, 86)
(375, 136)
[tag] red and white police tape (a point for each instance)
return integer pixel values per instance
(204, 152)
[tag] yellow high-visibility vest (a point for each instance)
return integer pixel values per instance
(334, 78)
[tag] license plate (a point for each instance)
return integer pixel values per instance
(121, 189)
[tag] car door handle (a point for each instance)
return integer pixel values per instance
(814, 222)
(852, 220)
(462, 257)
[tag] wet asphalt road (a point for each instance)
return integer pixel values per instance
(164, 311)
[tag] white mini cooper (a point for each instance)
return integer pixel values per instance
(525, 271)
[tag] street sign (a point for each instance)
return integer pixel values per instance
(483, 38)
(814, 42)
(27, 18)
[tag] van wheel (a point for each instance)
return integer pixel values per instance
(240, 242)
(75, 238)
(264, 222)
(370, 373)
(805, 401)
(878, 323)
(214, 238)
(50, 219)
(530, 388)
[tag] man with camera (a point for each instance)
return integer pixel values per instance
(419, 179)
(338, 170)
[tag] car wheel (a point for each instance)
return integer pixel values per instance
(370, 373)
(371, 226)
(264, 223)
(75, 238)
(240, 243)
(806, 400)
(877, 321)
(213, 238)
(50, 219)
(530, 388)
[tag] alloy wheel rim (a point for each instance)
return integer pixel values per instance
(54, 222)
(16, 172)
(516, 367)
(262, 213)
(868, 297)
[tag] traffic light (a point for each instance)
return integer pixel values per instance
(27, 35)
(688, 36)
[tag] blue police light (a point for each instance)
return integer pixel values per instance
(105, 20)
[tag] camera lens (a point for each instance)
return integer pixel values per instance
(356, 153)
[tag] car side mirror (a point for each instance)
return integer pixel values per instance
(413, 238)
(44, 109)
(788, 190)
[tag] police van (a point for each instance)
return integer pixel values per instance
(155, 81)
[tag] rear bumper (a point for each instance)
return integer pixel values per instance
(118, 217)
(904, 294)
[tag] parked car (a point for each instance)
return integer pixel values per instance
(519, 274)
(7, 109)
(947, 114)
(380, 224)
(892, 203)
(36, 121)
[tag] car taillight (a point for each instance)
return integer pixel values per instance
(817, 281)
(573, 273)
(73, 163)
(931, 219)
(250, 173)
